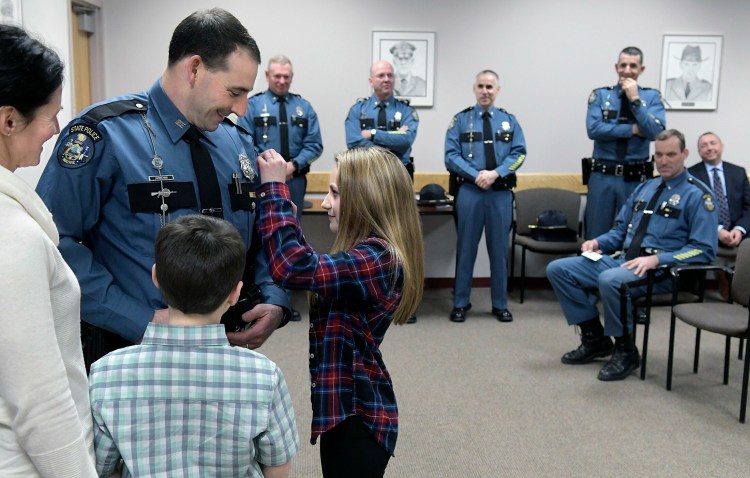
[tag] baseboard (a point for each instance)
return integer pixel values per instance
(534, 283)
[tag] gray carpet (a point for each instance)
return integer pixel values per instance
(487, 399)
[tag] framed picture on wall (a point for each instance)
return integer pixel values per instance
(412, 55)
(690, 71)
(10, 12)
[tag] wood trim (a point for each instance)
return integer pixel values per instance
(317, 181)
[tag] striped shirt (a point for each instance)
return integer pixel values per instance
(186, 403)
(359, 290)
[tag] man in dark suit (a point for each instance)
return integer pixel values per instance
(731, 187)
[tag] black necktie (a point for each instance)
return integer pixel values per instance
(625, 115)
(490, 162)
(382, 122)
(283, 129)
(687, 90)
(208, 184)
(634, 249)
(721, 198)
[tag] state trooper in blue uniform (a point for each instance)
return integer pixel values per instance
(484, 147)
(679, 227)
(296, 136)
(382, 119)
(305, 144)
(122, 169)
(622, 120)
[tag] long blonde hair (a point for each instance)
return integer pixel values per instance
(377, 197)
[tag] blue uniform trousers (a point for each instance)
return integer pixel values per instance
(492, 212)
(576, 279)
(606, 195)
(297, 189)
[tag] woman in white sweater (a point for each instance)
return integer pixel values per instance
(45, 417)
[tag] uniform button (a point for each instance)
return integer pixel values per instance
(311, 326)
(312, 385)
(262, 195)
(312, 356)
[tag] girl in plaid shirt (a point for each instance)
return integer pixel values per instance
(372, 277)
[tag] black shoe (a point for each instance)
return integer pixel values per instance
(622, 364)
(589, 350)
(458, 314)
(640, 316)
(503, 315)
(412, 320)
(295, 317)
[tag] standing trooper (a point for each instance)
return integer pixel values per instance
(484, 146)
(622, 120)
(287, 123)
(383, 120)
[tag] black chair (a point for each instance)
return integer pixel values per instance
(731, 319)
(529, 203)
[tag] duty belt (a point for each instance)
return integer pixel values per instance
(631, 171)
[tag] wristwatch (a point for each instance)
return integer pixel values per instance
(636, 103)
(373, 131)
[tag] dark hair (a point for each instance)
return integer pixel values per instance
(199, 259)
(707, 133)
(672, 133)
(30, 72)
(633, 51)
(214, 35)
(488, 72)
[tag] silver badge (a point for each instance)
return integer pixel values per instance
(397, 116)
(299, 111)
(505, 126)
(246, 167)
(674, 200)
(157, 162)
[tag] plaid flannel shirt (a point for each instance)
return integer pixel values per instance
(359, 290)
(186, 403)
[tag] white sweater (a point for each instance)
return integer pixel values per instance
(45, 417)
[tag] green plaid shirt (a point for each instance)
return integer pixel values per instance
(186, 403)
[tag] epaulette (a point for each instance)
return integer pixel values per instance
(295, 94)
(257, 94)
(359, 100)
(696, 182)
(466, 110)
(502, 109)
(116, 108)
(403, 100)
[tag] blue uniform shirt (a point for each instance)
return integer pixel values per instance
(262, 118)
(683, 226)
(605, 128)
(364, 115)
(100, 186)
(464, 146)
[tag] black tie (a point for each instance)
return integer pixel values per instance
(635, 245)
(208, 184)
(625, 115)
(283, 129)
(382, 122)
(490, 162)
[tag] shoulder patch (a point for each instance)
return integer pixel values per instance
(77, 148)
(453, 123)
(708, 202)
(592, 96)
(414, 114)
(116, 108)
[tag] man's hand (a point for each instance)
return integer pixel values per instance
(263, 320)
(367, 134)
(641, 265)
(730, 238)
(161, 316)
(289, 169)
(630, 87)
(592, 245)
(636, 130)
(272, 167)
(486, 178)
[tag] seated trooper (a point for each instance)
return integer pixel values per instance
(667, 220)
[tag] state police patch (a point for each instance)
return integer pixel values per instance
(77, 148)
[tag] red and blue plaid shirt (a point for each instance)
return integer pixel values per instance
(359, 290)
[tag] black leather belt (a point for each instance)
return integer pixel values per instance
(630, 171)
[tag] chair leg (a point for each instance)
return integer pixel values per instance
(644, 355)
(743, 397)
(523, 271)
(697, 350)
(670, 354)
(727, 348)
(741, 348)
(512, 266)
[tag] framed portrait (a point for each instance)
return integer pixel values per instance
(690, 69)
(10, 12)
(412, 55)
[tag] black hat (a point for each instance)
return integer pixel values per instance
(552, 225)
(433, 194)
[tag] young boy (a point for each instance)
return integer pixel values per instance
(184, 402)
